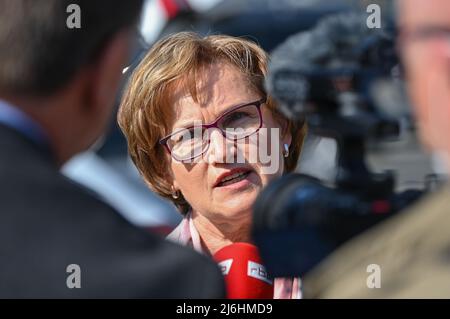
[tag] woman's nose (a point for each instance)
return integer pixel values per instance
(221, 150)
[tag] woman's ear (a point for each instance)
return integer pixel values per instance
(286, 141)
(171, 177)
(175, 185)
(286, 136)
(168, 175)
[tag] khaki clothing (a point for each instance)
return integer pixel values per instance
(412, 250)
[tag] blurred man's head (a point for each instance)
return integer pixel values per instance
(425, 44)
(65, 78)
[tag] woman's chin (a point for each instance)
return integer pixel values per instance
(236, 216)
(239, 198)
(239, 204)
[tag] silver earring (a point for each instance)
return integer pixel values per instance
(286, 150)
(175, 194)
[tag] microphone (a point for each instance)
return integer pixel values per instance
(245, 276)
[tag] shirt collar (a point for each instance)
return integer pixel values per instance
(18, 120)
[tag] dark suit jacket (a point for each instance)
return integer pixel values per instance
(48, 222)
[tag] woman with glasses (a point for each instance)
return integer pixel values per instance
(205, 135)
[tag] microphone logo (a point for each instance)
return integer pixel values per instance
(258, 271)
(225, 266)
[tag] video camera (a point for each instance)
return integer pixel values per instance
(326, 77)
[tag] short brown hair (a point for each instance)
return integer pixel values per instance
(177, 59)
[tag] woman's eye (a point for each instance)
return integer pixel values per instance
(187, 135)
(239, 115)
(235, 116)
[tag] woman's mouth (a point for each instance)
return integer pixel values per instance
(234, 178)
(237, 179)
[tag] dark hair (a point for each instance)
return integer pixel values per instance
(39, 53)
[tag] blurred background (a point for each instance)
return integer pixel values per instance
(107, 168)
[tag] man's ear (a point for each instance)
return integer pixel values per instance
(106, 72)
(435, 110)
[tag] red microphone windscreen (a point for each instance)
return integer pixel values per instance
(245, 276)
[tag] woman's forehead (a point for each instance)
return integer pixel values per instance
(218, 88)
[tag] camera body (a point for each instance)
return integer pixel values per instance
(325, 77)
